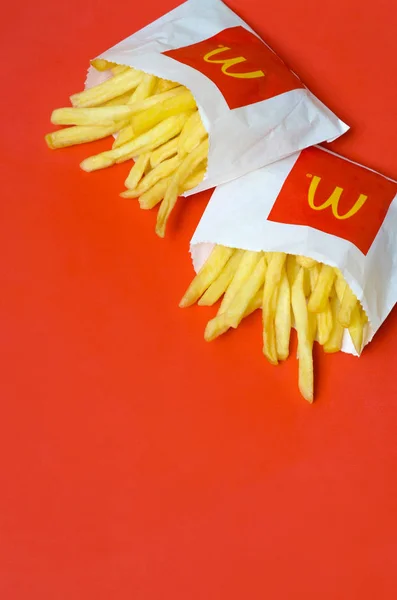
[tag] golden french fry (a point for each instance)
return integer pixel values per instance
(276, 261)
(117, 69)
(146, 142)
(292, 268)
(189, 130)
(100, 64)
(145, 120)
(79, 134)
(282, 321)
(124, 136)
(239, 304)
(356, 328)
(141, 105)
(154, 195)
(129, 133)
(334, 342)
(349, 302)
(119, 101)
(163, 85)
(165, 151)
(194, 179)
(314, 273)
(340, 285)
(107, 90)
(319, 296)
(164, 169)
(244, 269)
(144, 90)
(216, 327)
(305, 343)
(255, 303)
(186, 168)
(221, 283)
(207, 274)
(137, 171)
(304, 261)
(219, 324)
(324, 324)
(103, 116)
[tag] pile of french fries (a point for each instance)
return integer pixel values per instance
(157, 124)
(292, 291)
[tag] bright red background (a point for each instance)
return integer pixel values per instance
(138, 461)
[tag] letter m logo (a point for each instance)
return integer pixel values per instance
(325, 192)
(243, 68)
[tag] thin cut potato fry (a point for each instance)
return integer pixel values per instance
(322, 291)
(79, 134)
(304, 261)
(163, 85)
(144, 90)
(254, 304)
(165, 151)
(193, 180)
(187, 166)
(334, 342)
(292, 268)
(164, 169)
(99, 116)
(107, 90)
(160, 134)
(124, 136)
(349, 302)
(100, 64)
(340, 285)
(141, 105)
(239, 304)
(137, 171)
(119, 100)
(207, 274)
(187, 131)
(356, 328)
(198, 135)
(219, 324)
(117, 69)
(221, 283)
(216, 327)
(154, 195)
(305, 343)
(145, 120)
(282, 321)
(324, 324)
(276, 261)
(245, 267)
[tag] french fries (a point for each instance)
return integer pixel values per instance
(290, 290)
(157, 124)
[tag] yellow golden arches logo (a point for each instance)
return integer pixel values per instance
(333, 200)
(230, 62)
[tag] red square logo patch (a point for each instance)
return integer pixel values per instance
(333, 195)
(243, 68)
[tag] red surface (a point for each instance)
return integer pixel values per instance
(138, 461)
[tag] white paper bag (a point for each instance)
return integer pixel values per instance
(255, 110)
(317, 204)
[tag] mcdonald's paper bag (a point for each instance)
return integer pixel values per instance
(317, 204)
(255, 109)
